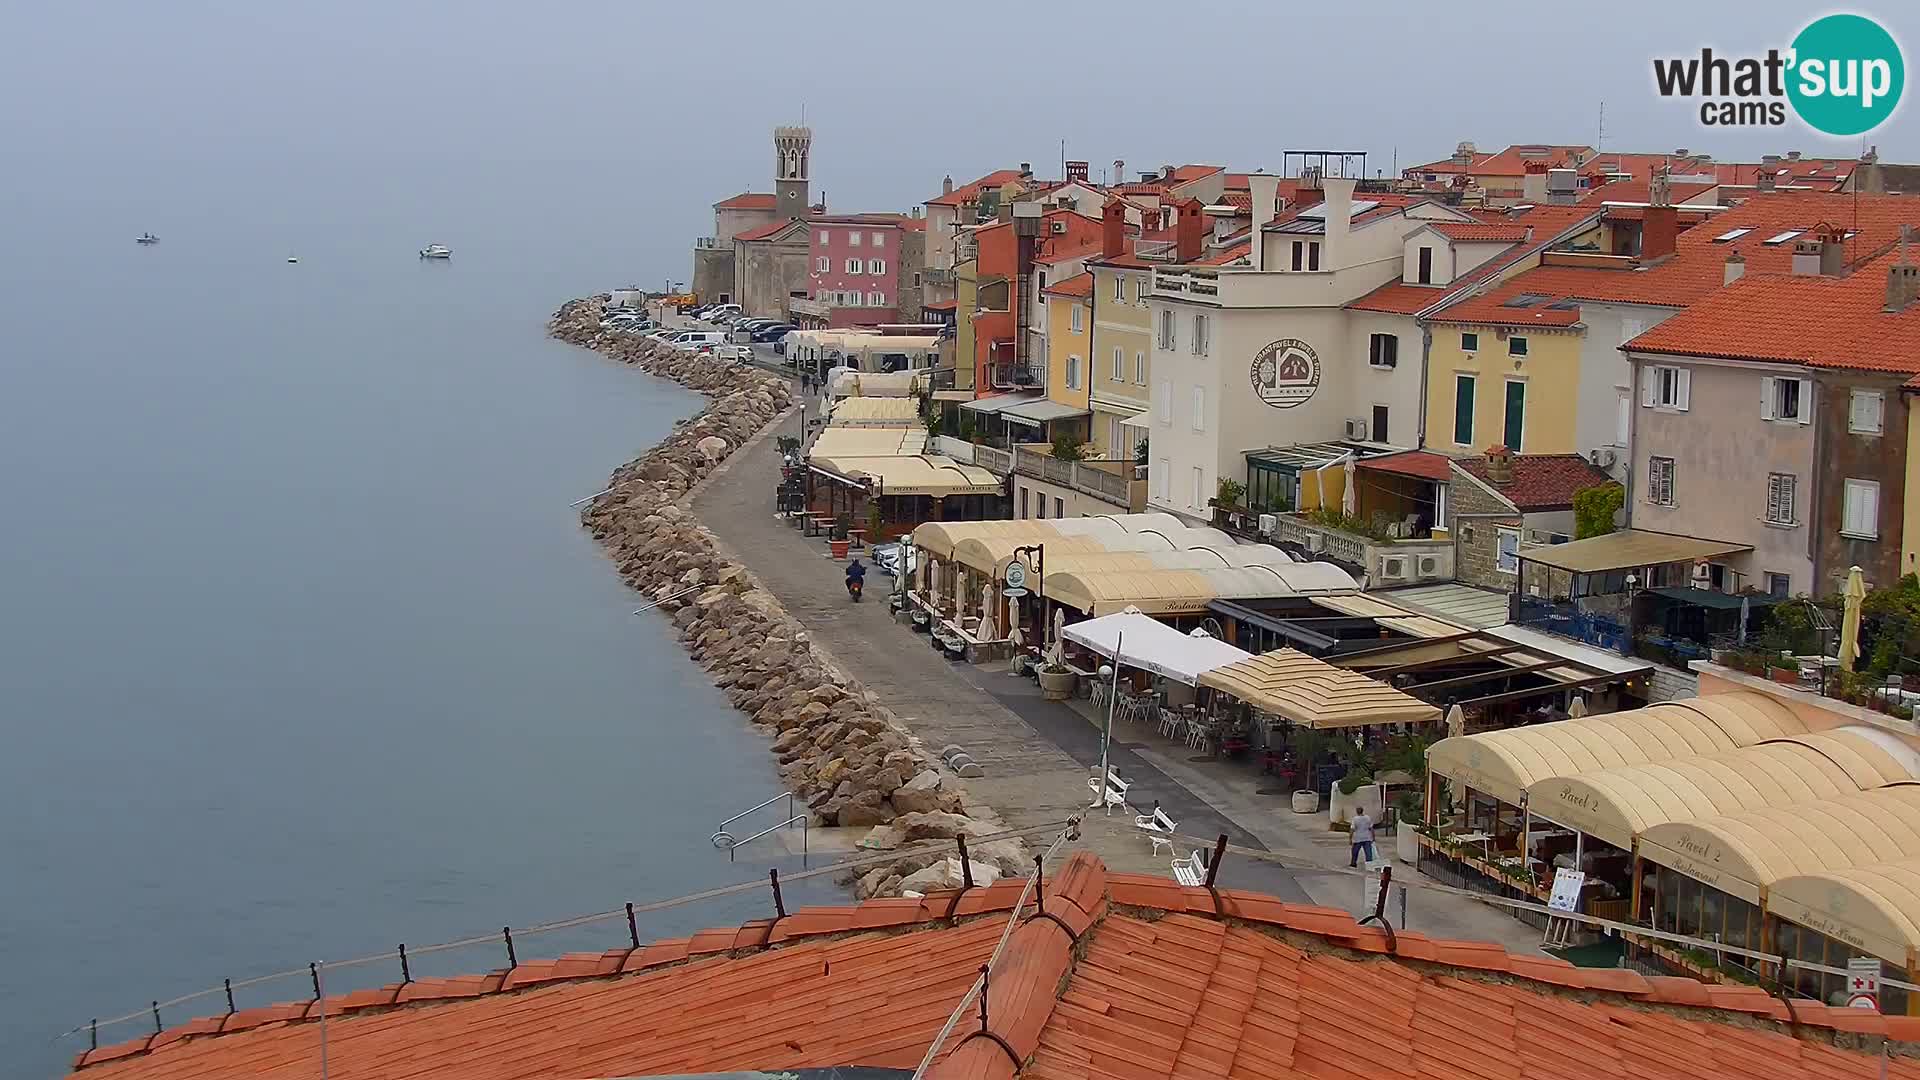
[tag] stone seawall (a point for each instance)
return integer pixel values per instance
(838, 745)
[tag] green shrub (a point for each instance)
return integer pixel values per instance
(1594, 509)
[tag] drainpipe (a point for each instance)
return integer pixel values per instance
(1426, 356)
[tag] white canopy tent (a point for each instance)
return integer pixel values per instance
(1148, 644)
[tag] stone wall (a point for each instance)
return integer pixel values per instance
(712, 280)
(1476, 550)
(911, 286)
(839, 747)
(767, 273)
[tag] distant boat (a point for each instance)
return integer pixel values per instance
(293, 258)
(436, 251)
(146, 238)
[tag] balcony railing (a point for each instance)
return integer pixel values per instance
(1383, 562)
(1567, 618)
(998, 462)
(938, 276)
(1015, 374)
(706, 242)
(1179, 281)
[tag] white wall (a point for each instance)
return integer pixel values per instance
(1605, 377)
(1364, 386)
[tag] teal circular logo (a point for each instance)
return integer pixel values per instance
(1847, 75)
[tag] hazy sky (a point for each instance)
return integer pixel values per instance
(675, 101)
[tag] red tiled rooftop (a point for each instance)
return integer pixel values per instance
(747, 200)
(1126, 976)
(1641, 190)
(1399, 298)
(1067, 254)
(1080, 285)
(1420, 464)
(1541, 482)
(1812, 320)
(764, 232)
(997, 178)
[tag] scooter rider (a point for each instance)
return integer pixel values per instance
(856, 578)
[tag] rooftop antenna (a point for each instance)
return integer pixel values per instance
(1600, 140)
(1063, 160)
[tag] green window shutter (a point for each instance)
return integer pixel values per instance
(1463, 410)
(1516, 413)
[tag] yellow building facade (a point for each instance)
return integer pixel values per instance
(1069, 329)
(1494, 385)
(1119, 355)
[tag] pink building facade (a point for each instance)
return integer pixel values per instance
(854, 271)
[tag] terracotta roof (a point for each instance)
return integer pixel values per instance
(1698, 266)
(1513, 160)
(1232, 254)
(1383, 205)
(1541, 482)
(997, 178)
(747, 200)
(1399, 298)
(1125, 976)
(767, 231)
(1483, 232)
(1080, 251)
(1080, 284)
(1239, 200)
(1187, 173)
(1641, 190)
(1423, 464)
(1820, 322)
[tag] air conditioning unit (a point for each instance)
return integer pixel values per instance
(1059, 228)
(1429, 566)
(1393, 568)
(1315, 542)
(1356, 428)
(1603, 457)
(1268, 523)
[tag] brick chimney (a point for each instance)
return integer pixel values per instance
(1077, 170)
(1189, 232)
(1499, 465)
(1113, 229)
(1661, 228)
(1736, 269)
(946, 185)
(1903, 277)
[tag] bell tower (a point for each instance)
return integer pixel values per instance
(791, 148)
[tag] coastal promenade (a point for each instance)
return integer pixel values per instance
(1037, 754)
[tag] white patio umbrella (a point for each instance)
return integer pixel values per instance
(1350, 498)
(1856, 595)
(1577, 709)
(1456, 722)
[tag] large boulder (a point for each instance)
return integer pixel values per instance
(919, 795)
(866, 808)
(946, 874)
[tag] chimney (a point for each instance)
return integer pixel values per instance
(1793, 155)
(1806, 258)
(1338, 207)
(946, 185)
(1499, 465)
(969, 211)
(1682, 152)
(1463, 153)
(1263, 189)
(1833, 253)
(1119, 171)
(1189, 232)
(1736, 268)
(1077, 170)
(1661, 228)
(1765, 181)
(1903, 277)
(1769, 161)
(1008, 193)
(1113, 229)
(1026, 170)
(1871, 180)
(1166, 172)
(1533, 185)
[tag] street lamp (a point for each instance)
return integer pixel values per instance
(1039, 552)
(1110, 673)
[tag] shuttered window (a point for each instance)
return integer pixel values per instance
(1780, 498)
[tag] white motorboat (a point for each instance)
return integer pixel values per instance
(436, 251)
(146, 238)
(293, 258)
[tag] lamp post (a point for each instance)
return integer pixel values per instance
(1039, 552)
(1111, 673)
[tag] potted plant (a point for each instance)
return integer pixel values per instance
(1057, 681)
(1406, 818)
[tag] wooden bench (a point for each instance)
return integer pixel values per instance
(1158, 827)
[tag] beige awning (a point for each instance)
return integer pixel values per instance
(1742, 854)
(848, 441)
(1392, 616)
(1875, 909)
(1310, 691)
(875, 411)
(918, 475)
(1618, 804)
(1626, 550)
(1188, 590)
(1504, 764)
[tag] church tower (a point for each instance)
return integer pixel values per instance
(791, 148)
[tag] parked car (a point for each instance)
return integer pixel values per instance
(888, 558)
(773, 333)
(714, 313)
(698, 340)
(739, 354)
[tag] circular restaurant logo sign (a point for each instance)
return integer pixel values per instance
(1286, 373)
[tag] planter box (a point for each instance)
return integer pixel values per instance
(1788, 676)
(1306, 802)
(1406, 843)
(1057, 685)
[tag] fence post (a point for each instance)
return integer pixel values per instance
(779, 905)
(1213, 865)
(633, 930)
(93, 1034)
(313, 972)
(406, 971)
(156, 1017)
(966, 864)
(507, 932)
(228, 983)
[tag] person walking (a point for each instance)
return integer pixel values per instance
(1361, 834)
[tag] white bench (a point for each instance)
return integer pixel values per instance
(1191, 870)
(1158, 827)
(1116, 793)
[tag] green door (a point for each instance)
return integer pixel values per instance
(1463, 410)
(1516, 413)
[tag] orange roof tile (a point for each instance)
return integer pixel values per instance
(1641, 190)
(765, 232)
(1186, 173)
(1817, 321)
(747, 200)
(1422, 464)
(1080, 251)
(1541, 482)
(1483, 232)
(964, 192)
(1171, 981)
(1080, 284)
(1399, 298)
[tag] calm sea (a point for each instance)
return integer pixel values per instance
(302, 652)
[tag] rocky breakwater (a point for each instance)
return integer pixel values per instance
(838, 745)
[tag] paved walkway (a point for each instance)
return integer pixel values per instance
(1037, 754)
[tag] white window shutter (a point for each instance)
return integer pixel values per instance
(1806, 401)
(1649, 381)
(1685, 388)
(1766, 397)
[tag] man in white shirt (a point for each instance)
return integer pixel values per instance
(1361, 834)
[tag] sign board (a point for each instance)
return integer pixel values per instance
(1566, 890)
(1863, 983)
(1014, 580)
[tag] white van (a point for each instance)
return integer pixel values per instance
(699, 340)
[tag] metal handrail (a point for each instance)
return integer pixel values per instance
(800, 818)
(756, 806)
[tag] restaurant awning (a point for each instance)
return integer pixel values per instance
(1875, 909)
(1710, 598)
(1504, 764)
(875, 411)
(850, 441)
(1042, 410)
(1172, 591)
(924, 474)
(1744, 853)
(1314, 693)
(1618, 804)
(1136, 640)
(1626, 550)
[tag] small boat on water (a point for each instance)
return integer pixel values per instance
(293, 258)
(146, 238)
(436, 251)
